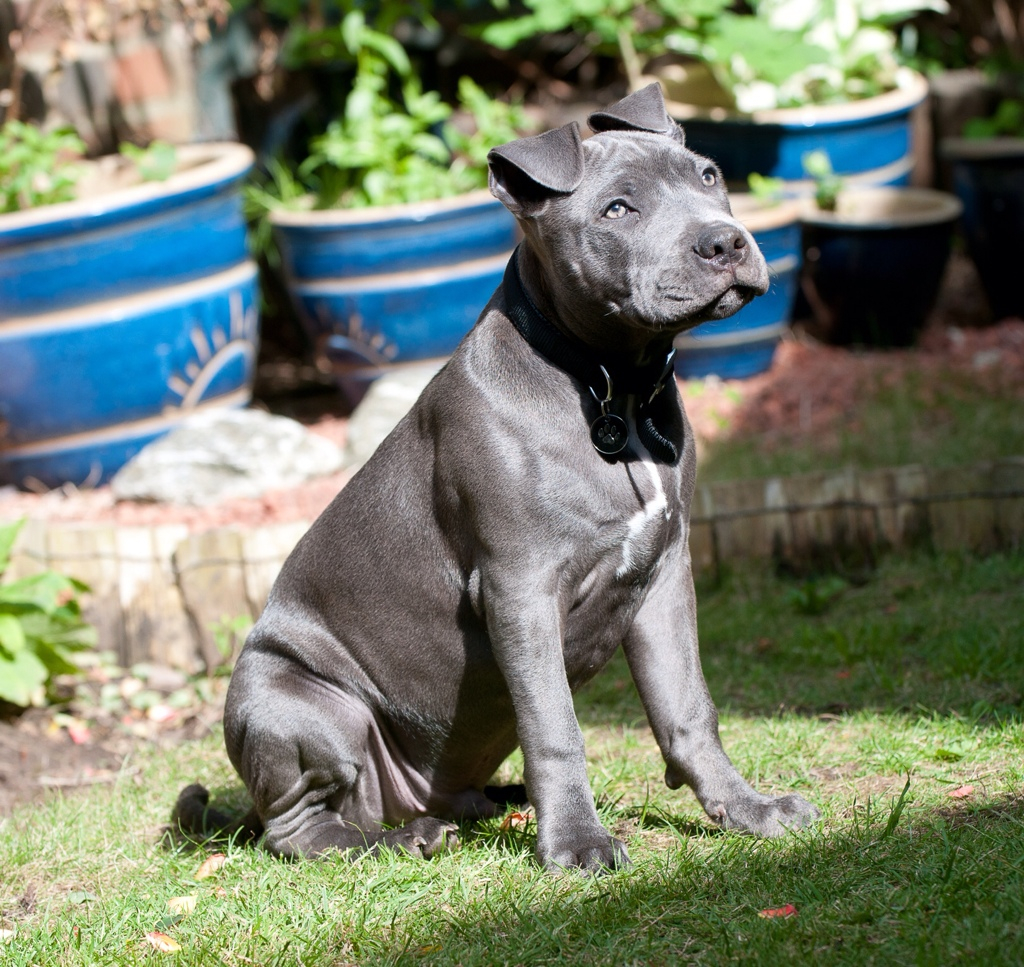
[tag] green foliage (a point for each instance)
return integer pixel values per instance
(1006, 122)
(229, 635)
(622, 28)
(827, 184)
(384, 149)
(41, 628)
(768, 191)
(36, 166)
(793, 52)
(155, 162)
(40, 167)
(814, 597)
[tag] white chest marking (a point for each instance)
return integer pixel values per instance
(637, 524)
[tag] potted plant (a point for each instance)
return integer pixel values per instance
(987, 166)
(388, 240)
(127, 299)
(873, 257)
(757, 90)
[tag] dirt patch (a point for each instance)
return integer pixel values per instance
(87, 739)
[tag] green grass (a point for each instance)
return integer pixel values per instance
(954, 418)
(916, 673)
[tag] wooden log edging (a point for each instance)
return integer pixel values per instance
(160, 594)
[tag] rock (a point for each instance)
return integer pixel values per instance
(385, 403)
(224, 455)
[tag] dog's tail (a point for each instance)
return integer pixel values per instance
(194, 819)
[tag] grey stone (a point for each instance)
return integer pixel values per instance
(385, 403)
(223, 455)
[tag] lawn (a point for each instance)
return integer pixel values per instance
(820, 407)
(895, 705)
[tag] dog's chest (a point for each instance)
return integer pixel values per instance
(645, 531)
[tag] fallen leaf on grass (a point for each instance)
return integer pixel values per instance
(961, 792)
(210, 865)
(515, 821)
(163, 943)
(6, 936)
(787, 911)
(430, 948)
(181, 905)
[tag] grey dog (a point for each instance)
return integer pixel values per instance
(527, 518)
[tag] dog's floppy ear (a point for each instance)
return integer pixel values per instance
(643, 110)
(526, 172)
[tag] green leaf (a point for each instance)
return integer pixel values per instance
(12, 636)
(21, 678)
(46, 591)
(8, 535)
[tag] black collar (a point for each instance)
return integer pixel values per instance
(608, 383)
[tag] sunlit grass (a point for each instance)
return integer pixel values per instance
(928, 687)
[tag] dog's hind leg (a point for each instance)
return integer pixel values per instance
(320, 772)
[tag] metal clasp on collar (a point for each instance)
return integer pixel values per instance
(670, 364)
(609, 433)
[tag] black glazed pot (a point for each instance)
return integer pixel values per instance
(988, 178)
(872, 268)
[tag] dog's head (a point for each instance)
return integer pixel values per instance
(637, 225)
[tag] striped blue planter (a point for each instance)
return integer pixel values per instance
(869, 141)
(121, 314)
(744, 344)
(378, 287)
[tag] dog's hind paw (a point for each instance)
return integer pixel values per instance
(424, 837)
(764, 815)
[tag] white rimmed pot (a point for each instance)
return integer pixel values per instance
(122, 312)
(872, 268)
(869, 141)
(379, 287)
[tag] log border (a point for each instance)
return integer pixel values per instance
(160, 594)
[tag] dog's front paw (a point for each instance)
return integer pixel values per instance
(764, 815)
(423, 837)
(590, 851)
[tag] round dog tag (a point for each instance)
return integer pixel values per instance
(609, 434)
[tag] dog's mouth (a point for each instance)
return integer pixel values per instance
(732, 300)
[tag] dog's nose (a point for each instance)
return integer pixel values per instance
(722, 244)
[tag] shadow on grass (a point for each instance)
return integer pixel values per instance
(932, 889)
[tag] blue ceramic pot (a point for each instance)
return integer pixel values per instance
(378, 287)
(868, 141)
(744, 344)
(988, 178)
(873, 267)
(120, 314)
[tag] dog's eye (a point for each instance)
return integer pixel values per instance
(616, 210)
(709, 177)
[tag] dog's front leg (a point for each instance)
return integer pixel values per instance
(663, 657)
(525, 627)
